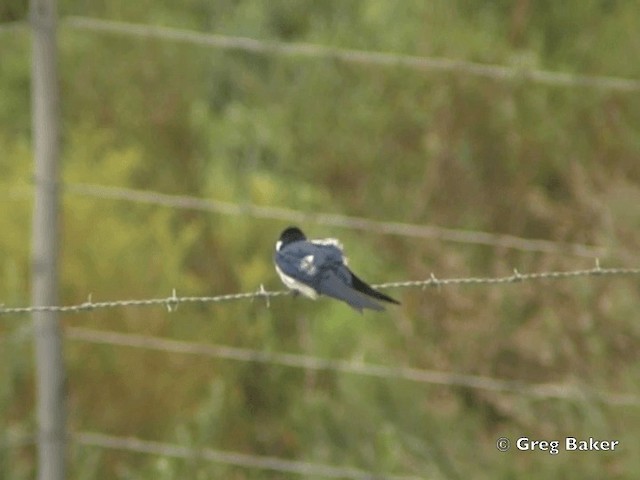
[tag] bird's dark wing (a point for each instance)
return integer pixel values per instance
(305, 261)
(361, 286)
(288, 261)
(333, 285)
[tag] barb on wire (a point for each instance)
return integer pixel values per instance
(264, 293)
(335, 220)
(308, 362)
(244, 460)
(385, 59)
(172, 301)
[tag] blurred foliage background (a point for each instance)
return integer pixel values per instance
(452, 149)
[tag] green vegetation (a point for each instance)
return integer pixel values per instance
(390, 143)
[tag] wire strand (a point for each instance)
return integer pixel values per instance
(244, 460)
(172, 302)
(414, 62)
(335, 220)
(309, 362)
(385, 59)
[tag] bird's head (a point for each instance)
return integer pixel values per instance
(289, 235)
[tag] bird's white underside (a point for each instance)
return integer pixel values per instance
(293, 284)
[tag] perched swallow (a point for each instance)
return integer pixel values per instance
(319, 267)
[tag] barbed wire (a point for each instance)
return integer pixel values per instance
(309, 362)
(172, 302)
(385, 59)
(335, 220)
(515, 278)
(244, 460)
